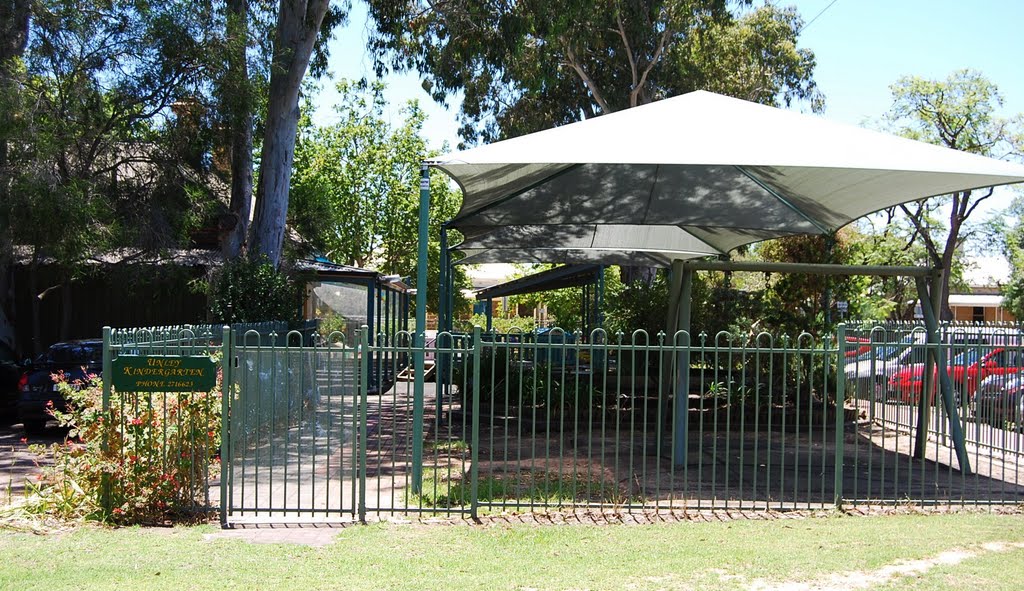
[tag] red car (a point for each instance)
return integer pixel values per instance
(966, 371)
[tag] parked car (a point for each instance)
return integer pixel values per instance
(966, 371)
(37, 388)
(1000, 399)
(868, 373)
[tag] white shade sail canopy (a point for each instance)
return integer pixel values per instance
(691, 176)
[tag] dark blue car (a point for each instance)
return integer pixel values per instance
(37, 389)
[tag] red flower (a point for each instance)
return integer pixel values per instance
(24, 439)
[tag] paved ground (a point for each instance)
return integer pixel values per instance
(17, 463)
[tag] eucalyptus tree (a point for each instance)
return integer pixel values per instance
(14, 22)
(960, 112)
(299, 24)
(530, 65)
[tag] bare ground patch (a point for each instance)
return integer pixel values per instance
(888, 573)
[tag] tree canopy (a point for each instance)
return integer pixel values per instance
(355, 191)
(960, 112)
(537, 64)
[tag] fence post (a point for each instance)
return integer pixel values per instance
(474, 482)
(226, 392)
(364, 385)
(108, 376)
(840, 403)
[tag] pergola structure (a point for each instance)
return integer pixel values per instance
(589, 277)
(689, 178)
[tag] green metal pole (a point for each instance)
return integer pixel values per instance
(840, 407)
(475, 440)
(364, 387)
(108, 376)
(442, 294)
(450, 297)
(682, 402)
(928, 381)
(421, 326)
(441, 385)
(225, 411)
(946, 386)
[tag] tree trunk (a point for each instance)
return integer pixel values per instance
(238, 101)
(14, 22)
(956, 222)
(298, 24)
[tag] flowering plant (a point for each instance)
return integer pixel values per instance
(147, 459)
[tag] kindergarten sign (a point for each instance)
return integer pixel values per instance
(164, 373)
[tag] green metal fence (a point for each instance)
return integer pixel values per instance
(160, 445)
(325, 428)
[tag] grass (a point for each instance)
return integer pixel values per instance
(724, 555)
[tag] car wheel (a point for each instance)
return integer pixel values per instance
(34, 427)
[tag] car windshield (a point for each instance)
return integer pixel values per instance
(968, 357)
(75, 353)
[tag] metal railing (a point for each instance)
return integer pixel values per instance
(611, 422)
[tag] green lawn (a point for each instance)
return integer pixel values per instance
(732, 555)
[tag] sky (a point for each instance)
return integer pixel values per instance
(861, 48)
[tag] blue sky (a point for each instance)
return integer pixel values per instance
(862, 47)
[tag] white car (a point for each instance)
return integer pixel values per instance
(868, 373)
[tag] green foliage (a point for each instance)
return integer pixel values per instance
(959, 112)
(516, 324)
(92, 140)
(1012, 239)
(542, 389)
(154, 455)
(632, 306)
(534, 65)
(248, 290)
(797, 302)
(355, 191)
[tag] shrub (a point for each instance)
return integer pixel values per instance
(151, 455)
(247, 290)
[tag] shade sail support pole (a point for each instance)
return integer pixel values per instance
(421, 327)
(681, 404)
(945, 385)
